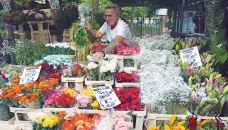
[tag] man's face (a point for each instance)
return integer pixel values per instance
(111, 17)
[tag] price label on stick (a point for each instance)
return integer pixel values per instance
(106, 97)
(30, 74)
(54, 4)
(191, 55)
(6, 5)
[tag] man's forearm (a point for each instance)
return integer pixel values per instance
(93, 33)
(110, 46)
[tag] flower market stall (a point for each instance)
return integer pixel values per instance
(161, 84)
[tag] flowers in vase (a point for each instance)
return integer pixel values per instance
(77, 70)
(37, 15)
(60, 98)
(129, 98)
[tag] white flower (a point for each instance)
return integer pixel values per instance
(129, 69)
(33, 116)
(92, 65)
(103, 69)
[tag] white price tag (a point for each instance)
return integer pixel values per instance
(106, 97)
(191, 55)
(30, 74)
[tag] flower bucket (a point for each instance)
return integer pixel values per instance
(79, 82)
(52, 109)
(91, 83)
(11, 121)
(101, 112)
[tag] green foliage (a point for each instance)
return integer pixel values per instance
(216, 32)
(25, 53)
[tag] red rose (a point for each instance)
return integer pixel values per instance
(192, 122)
(138, 107)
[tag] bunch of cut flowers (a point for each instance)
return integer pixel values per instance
(127, 50)
(75, 70)
(29, 94)
(44, 121)
(129, 98)
(87, 100)
(81, 121)
(132, 76)
(15, 17)
(107, 69)
(60, 48)
(97, 47)
(60, 98)
(116, 122)
(49, 71)
(37, 15)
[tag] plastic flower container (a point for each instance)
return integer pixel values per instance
(121, 60)
(126, 84)
(10, 121)
(53, 109)
(90, 83)
(138, 124)
(78, 82)
(152, 118)
(101, 112)
(23, 124)
(9, 127)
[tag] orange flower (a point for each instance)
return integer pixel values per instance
(26, 4)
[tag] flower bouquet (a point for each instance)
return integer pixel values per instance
(127, 50)
(85, 99)
(97, 47)
(129, 98)
(132, 77)
(116, 122)
(15, 17)
(44, 121)
(37, 15)
(93, 71)
(60, 98)
(80, 121)
(107, 69)
(60, 48)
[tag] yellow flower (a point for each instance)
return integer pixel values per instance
(202, 123)
(166, 127)
(71, 92)
(88, 92)
(178, 128)
(96, 105)
(172, 120)
(40, 119)
(154, 128)
(181, 123)
(48, 121)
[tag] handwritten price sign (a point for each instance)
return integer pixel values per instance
(106, 97)
(30, 74)
(191, 55)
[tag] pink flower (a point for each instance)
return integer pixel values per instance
(189, 71)
(120, 123)
(128, 124)
(31, 13)
(39, 16)
(83, 100)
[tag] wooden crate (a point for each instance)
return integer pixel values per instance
(66, 35)
(139, 118)
(79, 82)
